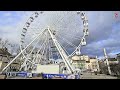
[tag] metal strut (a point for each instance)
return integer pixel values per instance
(106, 57)
(20, 53)
(61, 51)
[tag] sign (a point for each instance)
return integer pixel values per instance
(22, 74)
(50, 76)
(64, 76)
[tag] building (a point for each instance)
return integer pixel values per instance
(93, 64)
(3, 55)
(78, 61)
(5, 58)
(85, 62)
(112, 61)
(118, 57)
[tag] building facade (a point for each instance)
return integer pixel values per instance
(5, 58)
(118, 58)
(78, 62)
(93, 64)
(85, 62)
(112, 61)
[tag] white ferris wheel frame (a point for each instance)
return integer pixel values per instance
(36, 14)
(59, 47)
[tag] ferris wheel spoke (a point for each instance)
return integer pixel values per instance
(27, 58)
(35, 58)
(75, 48)
(62, 23)
(67, 47)
(46, 51)
(43, 51)
(74, 52)
(35, 46)
(44, 48)
(50, 48)
(67, 41)
(25, 53)
(71, 35)
(65, 50)
(60, 19)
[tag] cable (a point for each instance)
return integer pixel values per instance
(39, 50)
(67, 41)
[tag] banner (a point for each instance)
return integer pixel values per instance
(50, 76)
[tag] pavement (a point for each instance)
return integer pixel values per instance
(24, 78)
(2, 76)
(98, 76)
(85, 75)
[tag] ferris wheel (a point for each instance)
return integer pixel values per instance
(66, 24)
(50, 35)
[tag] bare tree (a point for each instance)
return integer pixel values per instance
(12, 47)
(18, 50)
(3, 43)
(0, 42)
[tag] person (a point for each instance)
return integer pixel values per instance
(91, 71)
(95, 71)
(5, 76)
(42, 74)
(77, 74)
(72, 76)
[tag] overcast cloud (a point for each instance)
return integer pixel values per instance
(104, 30)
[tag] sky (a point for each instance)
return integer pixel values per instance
(104, 29)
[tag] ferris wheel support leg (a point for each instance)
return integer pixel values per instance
(106, 58)
(20, 53)
(61, 51)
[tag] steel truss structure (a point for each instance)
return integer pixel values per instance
(45, 43)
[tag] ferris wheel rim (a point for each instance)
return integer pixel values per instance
(83, 18)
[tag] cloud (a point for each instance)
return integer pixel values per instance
(10, 25)
(104, 33)
(104, 28)
(7, 14)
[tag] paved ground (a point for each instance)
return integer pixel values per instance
(2, 76)
(25, 78)
(84, 76)
(99, 76)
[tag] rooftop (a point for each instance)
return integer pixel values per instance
(92, 57)
(112, 59)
